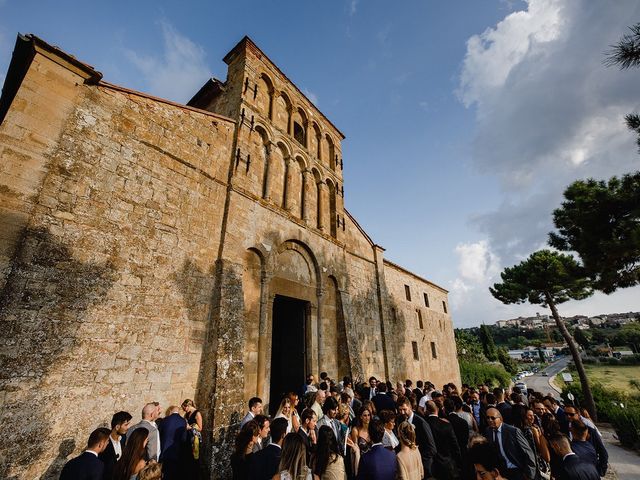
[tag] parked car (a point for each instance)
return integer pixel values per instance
(522, 386)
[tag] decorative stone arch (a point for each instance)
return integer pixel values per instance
(332, 210)
(299, 124)
(283, 108)
(266, 130)
(315, 140)
(331, 151)
(293, 274)
(265, 95)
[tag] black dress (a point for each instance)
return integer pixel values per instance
(192, 465)
(240, 466)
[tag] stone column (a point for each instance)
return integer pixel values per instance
(311, 340)
(323, 205)
(320, 294)
(264, 340)
(266, 191)
(288, 184)
(307, 185)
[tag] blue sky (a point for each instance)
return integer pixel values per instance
(464, 120)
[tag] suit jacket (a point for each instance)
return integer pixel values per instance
(311, 448)
(378, 464)
(425, 442)
(603, 456)
(516, 448)
(461, 429)
(87, 466)
(173, 436)
(574, 468)
(382, 401)
(366, 393)
(108, 457)
(152, 445)
(335, 426)
(448, 460)
(264, 464)
(585, 451)
(247, 418)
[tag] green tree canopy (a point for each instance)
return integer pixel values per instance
(600, 221)
(549, 278)
(544, 276)
(488, 345)
(626, 54)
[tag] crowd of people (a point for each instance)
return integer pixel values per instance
(376, 430)
(154, 448)
(372, 430)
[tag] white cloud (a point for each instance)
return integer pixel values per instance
(353, 7)
(476, 262)
(178, 72)
(548, 112)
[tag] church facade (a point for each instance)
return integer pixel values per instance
(154, 251)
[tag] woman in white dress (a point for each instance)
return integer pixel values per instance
(293, 461)
(389, 440)
(285, 411)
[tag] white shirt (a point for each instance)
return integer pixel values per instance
(117, 447)
(390, 439)
(423, 401)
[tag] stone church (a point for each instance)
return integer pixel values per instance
(155, 251)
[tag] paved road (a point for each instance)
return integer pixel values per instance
(540, 382)
(625, 463)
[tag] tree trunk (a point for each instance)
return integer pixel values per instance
(577, 360)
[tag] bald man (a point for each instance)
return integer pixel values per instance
(150, 413)
(512, 447)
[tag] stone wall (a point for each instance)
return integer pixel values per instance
(108, 282)
(422, 324)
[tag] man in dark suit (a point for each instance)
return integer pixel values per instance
(381, 400)
(460, 426)
(572, 467)
(370, 391)
(264, 464)
(173, 439)
(112, 453)
(512, 446)
(424, 437)
(330, 410)
(447, 462)
(308, 431)
(88, 466)
(593, 437)
(378, 463)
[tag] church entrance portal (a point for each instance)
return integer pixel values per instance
(288, 352)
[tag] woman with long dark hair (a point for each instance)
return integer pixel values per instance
(241, 457)
(327, 463)
(133, 456)
(293, 461)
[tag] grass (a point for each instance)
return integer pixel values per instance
(614, 376)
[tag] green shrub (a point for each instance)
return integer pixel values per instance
(474, 373)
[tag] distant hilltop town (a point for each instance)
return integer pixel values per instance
(582, 322)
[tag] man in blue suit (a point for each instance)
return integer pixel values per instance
(264, 464)
(378, 463)
(173, 437)
(88, 466)
(572, 467)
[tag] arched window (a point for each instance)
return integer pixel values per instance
(298, 133)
